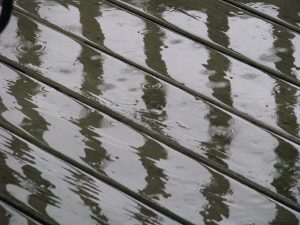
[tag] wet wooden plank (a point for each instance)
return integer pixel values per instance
(9, 216)
(258, 40)
(194, 67)
(284, 11)
(64, 194)
(169, 112)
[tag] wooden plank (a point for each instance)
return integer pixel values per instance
(114, 130)
(64, 194)
(285, 13)
(256, 41)
(192, 67)
(9, 216)
(152, 106)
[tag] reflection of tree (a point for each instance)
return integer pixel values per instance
(287, 10)
(286, 100)
(30, 50)
(92, 63)
(166, 5)
(219, 129)
(285, 180)
(90, 193)
(7, 177)
(88, 19)
(218, 65)
(151, 152)
(154, 92)
(39, 188)
(87, 190)
(154, 97)
(42, 196)
(4, 215)
(214, 192)
(24, 90)
(10, 216)
(146, 216)
(95, 155)
(154, 41)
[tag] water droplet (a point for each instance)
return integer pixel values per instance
(32, 48)
(155, 85)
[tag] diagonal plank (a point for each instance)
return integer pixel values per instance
(211, 76)
(285, 13)
(244, 36)
(156, 108)
(107, 147)
(61, 194)
(10, 216)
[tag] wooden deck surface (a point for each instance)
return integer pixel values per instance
(146, 112)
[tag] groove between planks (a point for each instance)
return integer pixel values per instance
(182, 32)
(171, 81)
(175, 146)
(263, 15)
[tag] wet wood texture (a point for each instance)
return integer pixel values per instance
(139, 112)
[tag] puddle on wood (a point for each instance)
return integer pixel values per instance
(287, 11)
(233, 28)
(62, 194)
(162, 110)
(205, 71)
(134, 160)
(48, 185)
(9, 216)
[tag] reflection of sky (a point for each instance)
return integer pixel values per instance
(257, 159)
(8, 100)
(253, 37)
(194, 20)
(60, 12)
(249, 210)
(123, 32)
(8, 47)
(185, 60)
(277, 9)
(296, 42)
(243, 83)
(266, 8)
(60, 57)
